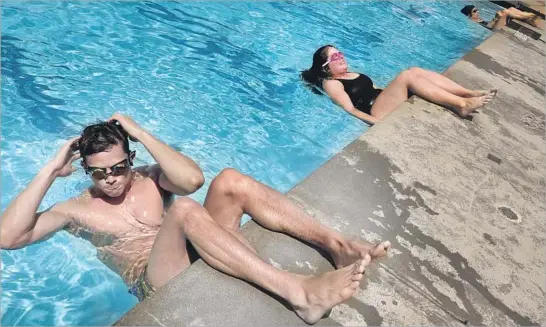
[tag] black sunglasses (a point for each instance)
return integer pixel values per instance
(118, 169)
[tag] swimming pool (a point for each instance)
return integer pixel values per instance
(217, 81)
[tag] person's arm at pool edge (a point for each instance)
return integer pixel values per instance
(337, 93)
(498, 22)
(21, 224)
(179, 173)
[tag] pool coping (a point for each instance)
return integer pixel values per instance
(458, 256)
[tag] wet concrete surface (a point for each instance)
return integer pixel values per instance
(461, 200)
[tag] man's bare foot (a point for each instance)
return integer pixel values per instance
(320, 294)
(350, 251)
(471, 104)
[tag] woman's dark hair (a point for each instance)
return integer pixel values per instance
(467, 10)
(101, 137)
(314, 76)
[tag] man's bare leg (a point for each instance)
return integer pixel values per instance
(169, 256)
(231, 194)
(310, 296)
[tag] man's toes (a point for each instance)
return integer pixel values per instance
(381, 248)
(357, 277)
(354, 285)
(366, 261)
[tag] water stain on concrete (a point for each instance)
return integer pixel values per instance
(508, 213)
(380, 165)
(489, 239)
(494, 158)
(487, 63)
(423, 187)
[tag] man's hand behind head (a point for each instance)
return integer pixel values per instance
(62, 162)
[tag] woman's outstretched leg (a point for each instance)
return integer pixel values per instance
(527, 17)
(397, 92)
(502, 16)
(520, 15)
(449, 85)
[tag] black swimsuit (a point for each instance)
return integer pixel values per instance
(361, 92)
(484, 23)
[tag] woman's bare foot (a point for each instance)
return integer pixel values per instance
(471, 104)
(532, 21)
(320, 294)
(479, 93)
(348, 252)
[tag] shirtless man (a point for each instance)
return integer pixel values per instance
(148, 229)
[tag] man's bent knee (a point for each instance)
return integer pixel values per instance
(228, 181)
(182, 208)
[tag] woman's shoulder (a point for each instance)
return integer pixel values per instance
(350, 76)
(331, 82)
(332, 87)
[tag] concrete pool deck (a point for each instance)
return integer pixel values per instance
(461, 200)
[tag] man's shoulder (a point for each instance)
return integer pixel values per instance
(147, 171)
(152, 173)
(84, 197)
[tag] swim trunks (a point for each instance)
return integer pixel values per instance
(142, 287)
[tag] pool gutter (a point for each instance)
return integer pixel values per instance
(462, 201)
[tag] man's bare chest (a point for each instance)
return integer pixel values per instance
(142, 208)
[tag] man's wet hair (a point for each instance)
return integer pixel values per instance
(100, 137)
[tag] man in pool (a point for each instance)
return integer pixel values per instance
(146, 229)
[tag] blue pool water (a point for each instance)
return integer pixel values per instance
(217, 81)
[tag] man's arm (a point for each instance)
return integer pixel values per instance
(44, 224)
(180, 174)
(20, 223)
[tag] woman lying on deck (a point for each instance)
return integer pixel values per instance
(357, 94)
(502, 17)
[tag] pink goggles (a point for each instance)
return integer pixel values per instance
(335, 57)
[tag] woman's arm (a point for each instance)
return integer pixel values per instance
(498, 22)
(336, 92)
